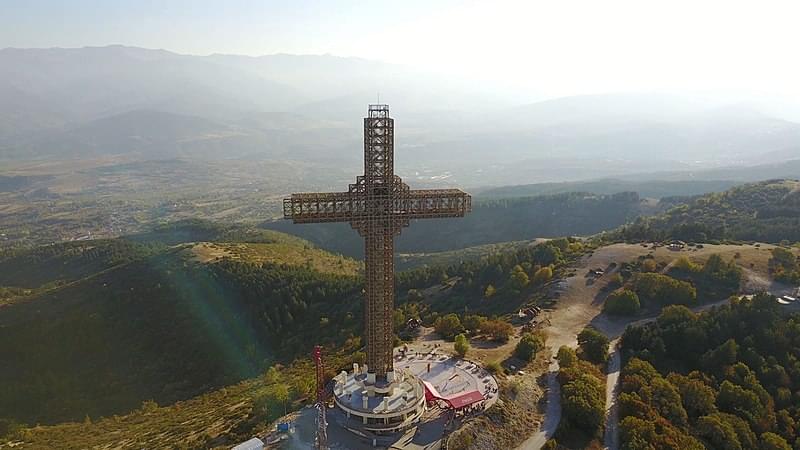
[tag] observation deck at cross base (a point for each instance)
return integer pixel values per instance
(379, 407)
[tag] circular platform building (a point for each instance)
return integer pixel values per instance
(379, 406)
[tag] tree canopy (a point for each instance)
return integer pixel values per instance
(724, 377)
(622, 302)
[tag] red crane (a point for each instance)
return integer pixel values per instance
(322, 422)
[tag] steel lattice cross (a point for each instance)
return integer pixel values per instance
(378, 205)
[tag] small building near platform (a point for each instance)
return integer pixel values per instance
(252, 444)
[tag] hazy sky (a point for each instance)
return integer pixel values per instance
(557, 47)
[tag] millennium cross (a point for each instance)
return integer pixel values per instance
(378, 205)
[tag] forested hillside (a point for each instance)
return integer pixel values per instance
(102, 326)
(768, 211)
(574, 213)
(725, 379)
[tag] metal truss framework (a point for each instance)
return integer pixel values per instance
(378, 205)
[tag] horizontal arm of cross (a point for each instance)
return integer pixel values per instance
(318, 207)
(353, 206)
(436, 203)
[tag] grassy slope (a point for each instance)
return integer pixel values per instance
(298, 253)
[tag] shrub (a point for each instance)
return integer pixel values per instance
(784, 266)
(461, 345)
(622, 302)
(566, 357)
(473, 322)
(684, 264)
(448, 326)
(664, 290)
(584, 403)
(499, 330)
(494, 368)
(529, 346)
(594, 345)
(543, 275)
(519, 279)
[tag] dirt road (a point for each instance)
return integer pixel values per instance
(611, 435)
(577, 307)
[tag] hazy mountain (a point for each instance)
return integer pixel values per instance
(628, 127)
(92, 82)
(23, 112)
(154, 134)
(87, 102)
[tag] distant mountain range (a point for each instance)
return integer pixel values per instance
(89, 102)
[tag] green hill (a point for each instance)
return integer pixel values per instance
(768, 211)
(110, 324)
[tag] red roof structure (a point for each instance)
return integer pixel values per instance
(455, 402)
(464, 400)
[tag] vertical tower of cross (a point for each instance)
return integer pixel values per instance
(378, 205)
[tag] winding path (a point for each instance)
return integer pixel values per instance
(552, 414)
(611, 435)
(571, 315)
